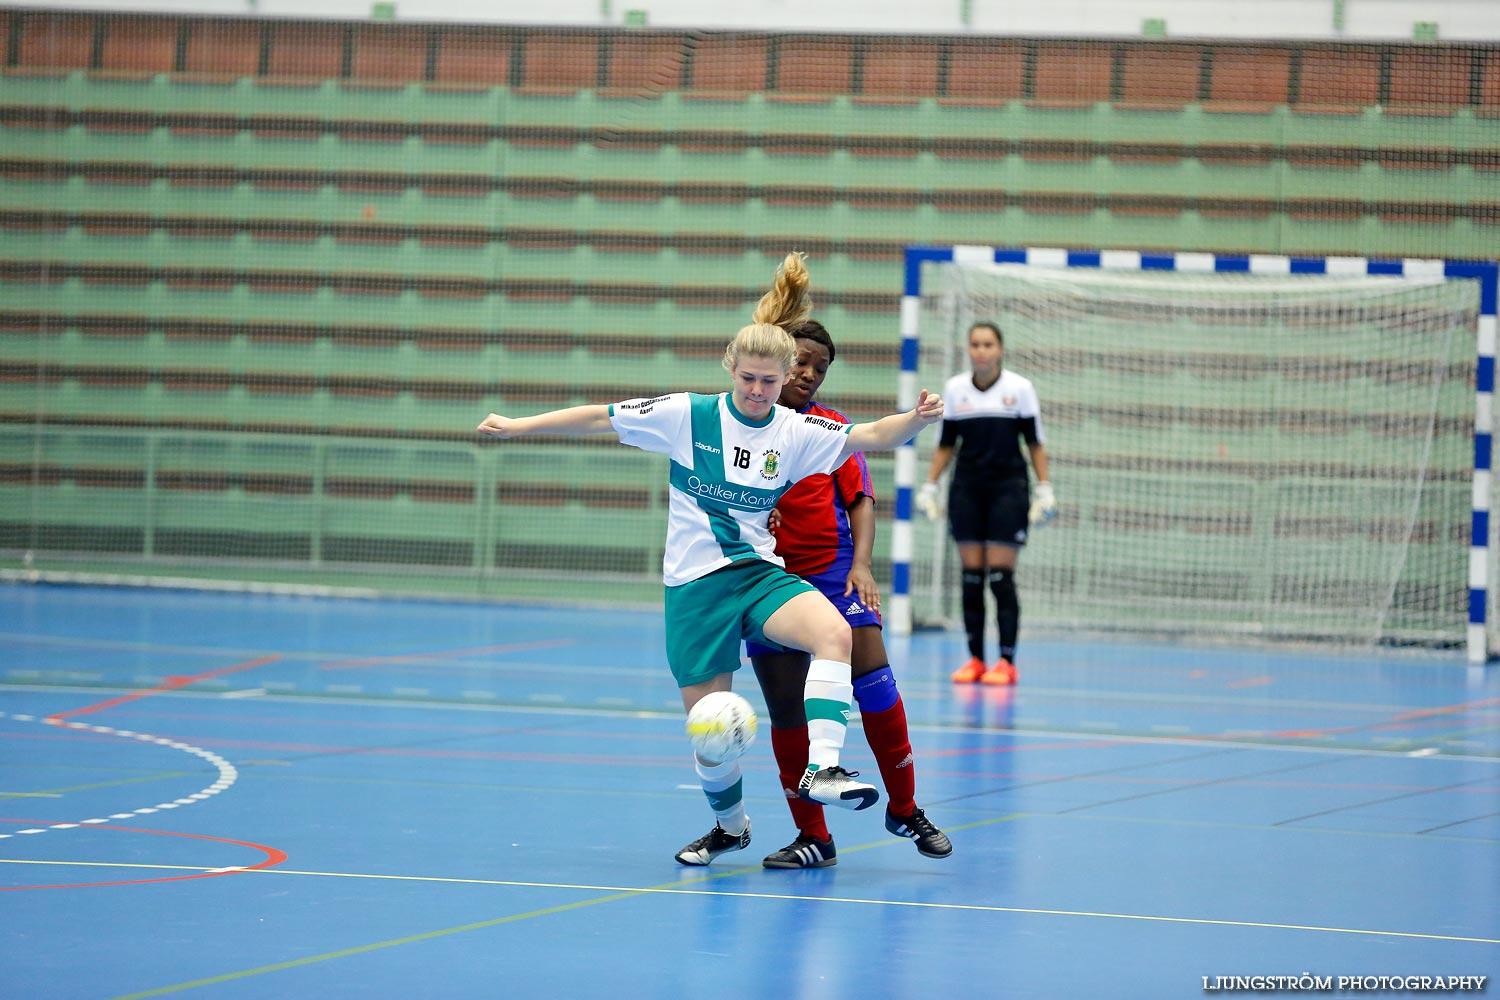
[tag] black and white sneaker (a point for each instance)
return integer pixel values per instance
(931, 842)
(804, 852)
(712, 844)
(834, 786)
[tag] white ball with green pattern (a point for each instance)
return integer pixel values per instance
(722, 726)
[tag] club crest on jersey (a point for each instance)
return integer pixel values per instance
(1008, 400)
(772, 465)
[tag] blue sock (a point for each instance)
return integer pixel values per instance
(876, 691)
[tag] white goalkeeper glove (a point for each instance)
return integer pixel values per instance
(928, 501)
(1043, 503)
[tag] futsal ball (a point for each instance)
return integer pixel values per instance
(722, 726)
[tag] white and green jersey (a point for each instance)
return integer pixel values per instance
(727, 473)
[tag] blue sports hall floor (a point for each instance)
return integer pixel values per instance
(227, 796)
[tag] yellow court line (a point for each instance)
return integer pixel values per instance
(627, 892)
(429, 935)
(116, 783)
(683, 889)
(623, 892)
(678, 889)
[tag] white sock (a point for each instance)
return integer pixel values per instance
(724, 787)
(826, 698)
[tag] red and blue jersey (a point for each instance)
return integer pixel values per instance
(814, 528)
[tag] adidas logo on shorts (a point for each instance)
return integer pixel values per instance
(853, 609)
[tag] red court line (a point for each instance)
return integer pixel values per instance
(273, 857)
(170, 684)
(1421, 713)
(1017, 748)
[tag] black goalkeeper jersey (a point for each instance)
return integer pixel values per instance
(987, 427)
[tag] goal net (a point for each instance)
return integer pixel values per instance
(1285, 456)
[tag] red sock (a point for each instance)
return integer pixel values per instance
(891, 743)
(790, 748)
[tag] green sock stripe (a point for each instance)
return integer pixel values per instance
(827, 709)
(726, 798)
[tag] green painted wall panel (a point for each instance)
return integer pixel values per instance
(407, 435)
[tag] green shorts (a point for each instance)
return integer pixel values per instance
(708, 618)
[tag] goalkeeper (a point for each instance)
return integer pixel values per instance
(991, 502)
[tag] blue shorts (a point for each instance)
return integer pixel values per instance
(830, 583)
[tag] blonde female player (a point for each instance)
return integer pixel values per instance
(733, 455)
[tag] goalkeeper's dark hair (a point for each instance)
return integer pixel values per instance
(811, 329)
(986, 324)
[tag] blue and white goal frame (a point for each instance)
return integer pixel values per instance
(1486, 273)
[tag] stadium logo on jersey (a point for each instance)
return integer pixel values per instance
(705, 447)
(772, 465)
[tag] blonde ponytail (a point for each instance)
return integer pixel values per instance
(786, 304)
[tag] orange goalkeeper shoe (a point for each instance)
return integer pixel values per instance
(1003, 673)
(970, 672)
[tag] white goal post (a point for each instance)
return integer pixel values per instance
(1275, 446)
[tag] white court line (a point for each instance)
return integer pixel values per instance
(227, 773)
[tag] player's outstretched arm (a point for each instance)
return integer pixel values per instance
(895, 430)
(571, 422)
